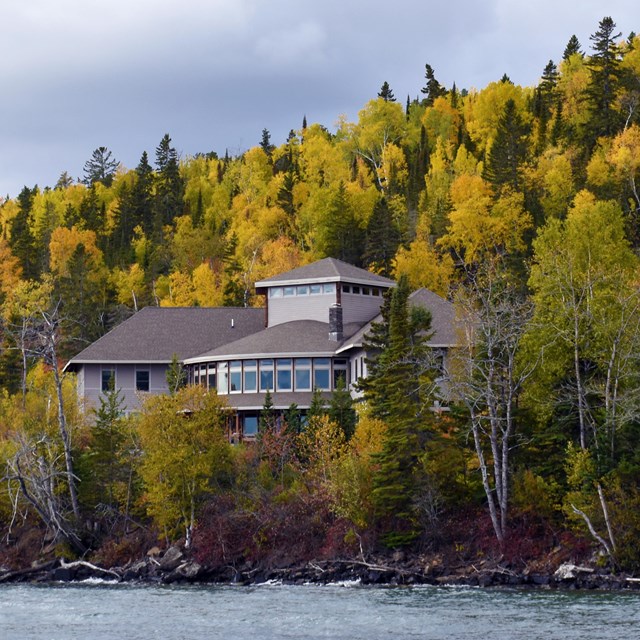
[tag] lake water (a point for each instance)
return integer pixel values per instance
(130, 612)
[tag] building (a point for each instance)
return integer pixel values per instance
(309, 335)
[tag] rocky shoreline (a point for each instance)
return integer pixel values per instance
(175, 567)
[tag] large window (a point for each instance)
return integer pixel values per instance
(223, 378)
(108, 379)
(250, 376)
(283, 374)
(339, 373)
(321, 374)
(142, 379)
(235, 376)
(303, 374)
(266, 375)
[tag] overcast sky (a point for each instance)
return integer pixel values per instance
(79, 74)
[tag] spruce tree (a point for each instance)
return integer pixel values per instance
(433, 89)
(573, 47)
(385, 93)
(509, 149)
(341, 409)
(21, 238)
(394, 390)
(101, 167)
(606, 76)
(382, 239)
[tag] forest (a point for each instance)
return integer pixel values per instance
(519, 204)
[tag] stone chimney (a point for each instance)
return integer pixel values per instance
(335, 322)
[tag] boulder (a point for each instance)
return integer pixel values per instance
(171, 559)
(569, 571)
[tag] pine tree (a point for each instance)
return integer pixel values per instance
(101, 167)
(433, 89)
(393, 390)
(509, 149)
(342, 236)
(606, 76)
(169, 186)
(573, 47)
(382, 239)
(341, 409)
(21, 238)
(385, 93)
(268, 416)
(265, 143)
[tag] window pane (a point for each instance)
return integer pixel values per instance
(284, 379)
(314, 289)
(223, 378)
(346, 288)
(250, 426)
(321, 362)
(142, 380)
(108, 382)
(235, 380)
(250, 379)
(275, 292)
(329, 288)
(303, 379)
(289, 291)
(266, 380)
(321, 379)
(303, 290)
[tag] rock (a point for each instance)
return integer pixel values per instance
(399, 556)
(171, 559)
(63, 574)
(569, 571)
(154, 552)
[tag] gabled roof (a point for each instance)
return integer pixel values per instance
(444, 322)
(327, 270)
(154, 334)
(302, 338)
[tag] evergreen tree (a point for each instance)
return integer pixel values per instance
(265, 143)
(433, 89)
(509, 149)
(573, 46)
(293, 419)
(382, 239)
(394, 391)
(341, 409)
(342, 237)
(233, 292)
(142, 196)
(385, 93)
(505, 79)
(169, 186)
(317, 407)
(101, 167)
(175, 376)
(606, 75)
(268, 415)
(21, 238)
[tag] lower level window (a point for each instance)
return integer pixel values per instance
(142, 380)
(250, 426)
(108, 380)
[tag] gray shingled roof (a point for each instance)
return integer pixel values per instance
(444, 322)
(327, 270)
(154, 334)
(298, 337)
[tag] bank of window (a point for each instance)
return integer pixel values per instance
(250, 376)
(339, 373)
(266, 375)
(211, 376)
(250, 426)
(235, 376)
(283, 374)
(321, 374)
(303, 374)
(108, 379)
(142, 379)
(223, 378)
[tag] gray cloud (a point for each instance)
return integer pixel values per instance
(75, 75)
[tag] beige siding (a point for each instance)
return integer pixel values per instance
(300, 308)
(359, 308)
